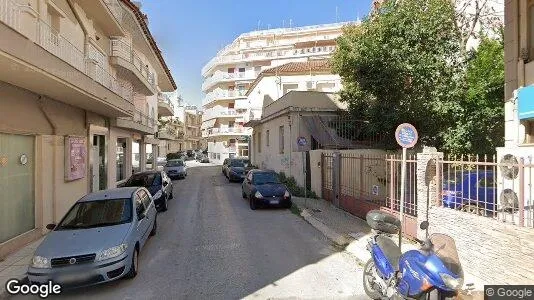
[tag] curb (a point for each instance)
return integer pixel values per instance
(335, 237)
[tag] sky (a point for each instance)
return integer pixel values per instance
(190, 32)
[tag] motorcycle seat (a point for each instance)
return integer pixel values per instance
(390, 249)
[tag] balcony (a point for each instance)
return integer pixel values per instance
(219, 76)
(140, 123)
(268, 55)
(227, 131)
(51, 65)
(222, 113)
(165, 106)
(220, 94)
(136, 71)
(169, 134)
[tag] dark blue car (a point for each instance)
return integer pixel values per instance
(471, 191)
(263, 188)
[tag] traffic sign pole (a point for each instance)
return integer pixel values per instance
(403, 183)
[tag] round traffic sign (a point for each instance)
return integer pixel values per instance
(406, 135)
(301, 141)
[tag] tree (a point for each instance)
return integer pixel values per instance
(475, 19)
(402, 65)
(480, 128)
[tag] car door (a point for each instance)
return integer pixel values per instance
(247, 184)
(143, 215)
(167, 183)
(224, 166)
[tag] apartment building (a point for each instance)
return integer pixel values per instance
(79, 93)
(182, 131)
(229, 75)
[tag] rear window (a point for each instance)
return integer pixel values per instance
(144, 180)
(175, 163)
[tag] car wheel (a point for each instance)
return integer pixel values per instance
(252, 203)
(135, 265)
(154, 227)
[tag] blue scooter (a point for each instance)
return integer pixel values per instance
(432, 272)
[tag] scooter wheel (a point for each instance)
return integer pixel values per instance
(369, 285)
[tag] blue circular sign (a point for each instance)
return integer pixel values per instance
(406, 135)
(301, 141)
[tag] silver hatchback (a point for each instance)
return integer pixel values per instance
(175, 168)
(98, 240)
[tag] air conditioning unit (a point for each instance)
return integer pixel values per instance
(508, 182)
(311, 85)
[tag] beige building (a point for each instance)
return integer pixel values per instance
(79, 86)
(231, 72)
(182, 131)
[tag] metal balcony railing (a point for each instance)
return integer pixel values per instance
(52, 41)
(210, 114)
(143, 119)
(115, 9)
(164, 98)
(228, 130)
(219, 76)
(120, 48)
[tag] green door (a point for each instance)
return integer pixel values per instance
(17, 202)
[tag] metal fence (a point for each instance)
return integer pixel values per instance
(480, 185)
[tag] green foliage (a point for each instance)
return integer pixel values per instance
(173, 156)
(294, 188)
(406, 64)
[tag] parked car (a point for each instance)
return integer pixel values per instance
(470, 191)
(263, 188)
(98, 240)
(204, 159)
(158, 184)
(161, 161)
(176, 168)
(239, 165)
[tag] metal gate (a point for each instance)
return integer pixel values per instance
(358, 183)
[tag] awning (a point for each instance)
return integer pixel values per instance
(208, 124)
(525, 104)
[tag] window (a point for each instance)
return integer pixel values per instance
(139, 206)
(281, 139)
(145, 198)
(99, 213)
(241, 70)
(259, 142)
(231, 124)
(231, 70)
(267, 138)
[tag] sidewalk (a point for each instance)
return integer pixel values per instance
(353, 234)
(15, 265)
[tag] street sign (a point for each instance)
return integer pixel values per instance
(301, 141)
(375, 190)
(406, 135)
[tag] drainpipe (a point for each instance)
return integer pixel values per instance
(82, 25)
(54, 171)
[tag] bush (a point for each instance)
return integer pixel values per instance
(173, 156)
(294, 188)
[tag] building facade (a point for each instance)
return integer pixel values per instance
(182, 131)
(229, 75)
(79, 86)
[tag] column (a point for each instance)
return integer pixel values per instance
(428, 169)
(142, 156)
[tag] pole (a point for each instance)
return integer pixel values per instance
(403, 183)
(305, 180)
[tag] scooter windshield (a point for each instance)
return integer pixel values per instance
(445, 249)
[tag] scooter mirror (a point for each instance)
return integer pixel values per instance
(424, 225)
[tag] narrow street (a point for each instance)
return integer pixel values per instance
(210, 245)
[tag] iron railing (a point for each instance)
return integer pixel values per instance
(220, 76)
(165, 99)
(223, 94)
(125, 51)
(52, 41)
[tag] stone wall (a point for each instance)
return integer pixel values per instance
(492, 251)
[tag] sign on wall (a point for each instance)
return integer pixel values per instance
(75, 158)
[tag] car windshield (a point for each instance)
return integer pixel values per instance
(265, 178)
(175, 163)
(237, 163)
(144, 180)
(98, 213)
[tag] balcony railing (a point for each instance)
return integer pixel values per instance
(278, 54)
(125, 51)
(164, 98)
(219, 76)
(53, 42)
(223, 94)
(115, 9)
(229, 130)
(218, 113)
(143, 119)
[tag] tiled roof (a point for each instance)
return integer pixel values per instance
(294, 68)
(141, 18)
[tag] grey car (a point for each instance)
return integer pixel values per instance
(98, 240)
(176, 168)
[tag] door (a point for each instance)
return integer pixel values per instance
(142, 217)
(98, 163)
(17, 197)
(95, 169)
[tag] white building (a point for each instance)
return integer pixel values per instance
(229, 75)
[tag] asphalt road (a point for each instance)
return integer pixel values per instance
(210, 245)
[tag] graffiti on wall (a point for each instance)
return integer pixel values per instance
(286, 162)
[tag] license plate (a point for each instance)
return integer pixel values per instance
(72, 278)
(274, 201)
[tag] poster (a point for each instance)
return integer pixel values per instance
(75, 158)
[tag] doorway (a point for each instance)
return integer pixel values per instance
(17, 199)
(121, 159)
(98, 163)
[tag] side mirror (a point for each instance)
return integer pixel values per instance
(50, 226)
(424, 225)
(165, 183)
(141, 216)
